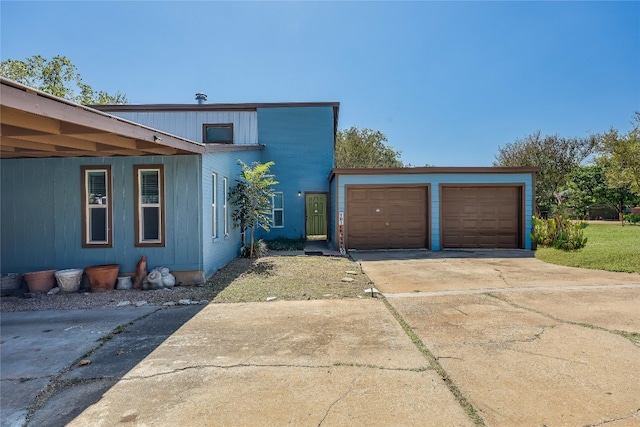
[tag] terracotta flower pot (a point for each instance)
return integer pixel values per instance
(40, 281)
(102, 277)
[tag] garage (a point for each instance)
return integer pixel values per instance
(387, 217)
(481, 216)
(431, 208)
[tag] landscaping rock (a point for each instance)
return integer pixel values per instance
(351, 272)
(347, 279)
(169, 304)
(53, 291)
(123, 303)
(141, 303)
(271, 298)
(184, 302)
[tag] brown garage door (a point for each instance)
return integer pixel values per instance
(386, 217)
(481, 217)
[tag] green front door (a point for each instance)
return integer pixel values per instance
(316, 211)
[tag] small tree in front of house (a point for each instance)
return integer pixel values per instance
(251, 197)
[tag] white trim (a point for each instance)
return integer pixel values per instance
(225, 205)
(214, 207)
(274, 209)
(103, 204)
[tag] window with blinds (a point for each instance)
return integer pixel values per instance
(149, 210)
(96, 206)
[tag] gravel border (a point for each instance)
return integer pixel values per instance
(109, 299)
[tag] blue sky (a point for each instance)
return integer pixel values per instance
(447, 82)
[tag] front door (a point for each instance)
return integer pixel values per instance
(316, 214)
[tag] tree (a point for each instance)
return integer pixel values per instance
(365, 148)
(251, 197)
(588, 185)
(57, 76)
(556, 157)
(620, 154)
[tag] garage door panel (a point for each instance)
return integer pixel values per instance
(481, 217)
(386, 217)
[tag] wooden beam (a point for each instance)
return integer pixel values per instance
(22, 145)
(25, 120)
(8, 130)
(62, 141)
(108, 139)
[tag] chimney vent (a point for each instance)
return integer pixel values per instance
(201, 97)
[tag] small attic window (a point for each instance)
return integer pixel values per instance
(219, 133)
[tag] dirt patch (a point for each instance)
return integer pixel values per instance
(288, 278)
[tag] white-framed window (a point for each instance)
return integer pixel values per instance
(149, 205)
(277, 210)
(96, 207)
(214, 205)
(225, 204)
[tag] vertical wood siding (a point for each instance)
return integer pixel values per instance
(219, 251)
(435, 180)
(41, 214)
(188, 124)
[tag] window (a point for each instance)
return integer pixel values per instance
(214, 201)
(224, 206)
(277, 210)
(149, 209)
(96, 206)
(221, 133)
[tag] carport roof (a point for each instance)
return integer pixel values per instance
(35, 124)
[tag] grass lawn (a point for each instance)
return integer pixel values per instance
(609, 247)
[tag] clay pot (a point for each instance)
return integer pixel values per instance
(102, 277)
(40, 281)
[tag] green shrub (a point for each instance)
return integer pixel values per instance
(260, 249)
(286, 244)
(632, 218)
(559, 232)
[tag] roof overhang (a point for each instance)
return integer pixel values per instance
(35, 124)
(433, 170)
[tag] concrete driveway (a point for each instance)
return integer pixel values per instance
(496, 349)
(527, 343)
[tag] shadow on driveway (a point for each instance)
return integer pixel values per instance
(42, 380)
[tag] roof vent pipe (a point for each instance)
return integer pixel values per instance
(201, 97)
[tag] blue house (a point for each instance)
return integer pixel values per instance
(84, 186)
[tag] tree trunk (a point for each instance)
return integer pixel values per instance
(253, 230)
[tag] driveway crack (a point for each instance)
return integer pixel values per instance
(634, 337)
(471, 412)
(341, 397)
(613, 420)
(271, 365)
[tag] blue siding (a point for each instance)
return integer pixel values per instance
(300, 141)
(435, 180)
(219, 251)
(188, 124)
(41, 214)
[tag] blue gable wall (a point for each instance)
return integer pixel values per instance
(41, 213)
(435, 180)
(300, 141)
